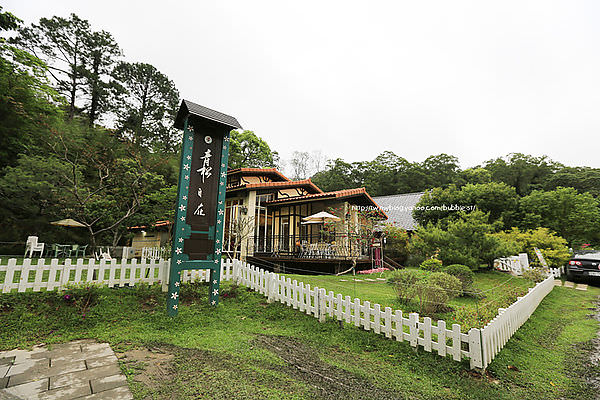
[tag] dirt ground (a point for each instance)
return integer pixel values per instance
(170, 372)
(328, 382)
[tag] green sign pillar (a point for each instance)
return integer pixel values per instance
(200, 211)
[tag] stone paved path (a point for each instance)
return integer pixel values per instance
(83, 369)
(569, 284)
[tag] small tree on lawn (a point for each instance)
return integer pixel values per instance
(240, 231)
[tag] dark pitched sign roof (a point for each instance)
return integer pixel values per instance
(187, 107)
(399, 208)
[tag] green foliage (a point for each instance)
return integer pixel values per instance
(8, 21)
(389, 174)
(497, 199)
(574, 216)
(396, 245)
(147, 107)
(61, 44)
(82, 297)
(463, 273)
(431, 264)
(26, 103)
(583, 179)
(536, 274)
(553, 247)
(431, 298)
(450, 284)
(523, 172)
(403, 281)
(246, 150)
(467, 240)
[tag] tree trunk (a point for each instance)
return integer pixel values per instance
(95, 90)
(116, 237)
(92, 238)
(142, 115)
(73, 87)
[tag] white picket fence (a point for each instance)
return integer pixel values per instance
(557, 272)
(56, 275)
(154, 252)
(497, 332)
(516, 265)
(480, 346)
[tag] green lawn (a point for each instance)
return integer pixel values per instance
(248, 349)
(493, 284)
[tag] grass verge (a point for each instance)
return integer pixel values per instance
(248, 349)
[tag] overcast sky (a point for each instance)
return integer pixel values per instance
(474, 79)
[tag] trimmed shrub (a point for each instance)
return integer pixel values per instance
(536, 274)
(463, 273)
(432, 298)
(403, 281)
(431, 264)
(448, 283)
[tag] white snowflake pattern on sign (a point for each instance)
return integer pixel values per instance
(216, 261)
(180, 240)
(191, 137)
(220, 212)
(206, 170)
(177, 284)
(218, 221)
(174, 306)
(178, 261)
(178, 250)
(189, 157)
(174, 295)
(215, 292)
(214, 282)
(223, 174)
(220, 202)
(182, 218)
(182, 207)
(186, 166)
(185, 197)
(218, 251)
(213, 302)
(187, 177)
(217, 241)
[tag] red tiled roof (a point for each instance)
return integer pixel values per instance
(286, 184)
(258, 171)
(335, 194)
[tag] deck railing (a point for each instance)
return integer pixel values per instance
(318, 246)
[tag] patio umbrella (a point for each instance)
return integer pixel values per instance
(320, 218)
(68, 222)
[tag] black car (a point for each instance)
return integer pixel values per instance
(584, 266)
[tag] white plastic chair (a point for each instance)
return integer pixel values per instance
(33, 246)
(101, 254)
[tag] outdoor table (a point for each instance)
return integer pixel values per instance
(61, 250)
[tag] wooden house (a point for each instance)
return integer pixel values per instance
(265, 221)
(156, 236)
